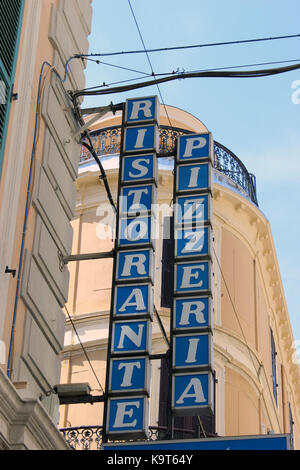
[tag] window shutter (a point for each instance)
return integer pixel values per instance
(274, 373)
(291, 426)
(164, 392)
(167, 278)
(10, 26)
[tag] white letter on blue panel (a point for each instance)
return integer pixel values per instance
(129, 375)
(192, 351)
(135, 231)
(192, 313)
(134, 265)
(130, 337)
(140, 138)
(127, 417)
(192, 393)
(137, 199)
(192, 276)
(141, 109)
(140, 168)
(193, 178)
(133, 300)
(193, 209)
(194, 147)
(192, 242)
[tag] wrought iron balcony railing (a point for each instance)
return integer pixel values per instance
(107, 141)
(90, 437)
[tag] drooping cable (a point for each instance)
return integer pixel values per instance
(235, 312)
(161, 74)
(41, 84)
(184, 75)
(101, 62)
(194, 46)
(83, 348)
(103, 177)
(149, 61)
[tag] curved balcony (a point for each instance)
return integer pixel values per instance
(106, 141)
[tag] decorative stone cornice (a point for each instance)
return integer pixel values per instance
(25, 424)
(238, 211)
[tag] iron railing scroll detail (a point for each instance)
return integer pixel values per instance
(106, 142)
(90, 437)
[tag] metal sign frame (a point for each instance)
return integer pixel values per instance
(126, 406)
(192, 383)
(260, 442)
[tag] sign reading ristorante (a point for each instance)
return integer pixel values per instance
(132, 295)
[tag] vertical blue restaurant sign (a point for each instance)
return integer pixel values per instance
(132, 296)
(191, 335)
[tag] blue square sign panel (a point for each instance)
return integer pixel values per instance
(131, 336)
(137, 199)
(192, 242)
(193, 178)
(192, 276)
(134, 265)
(140, 139)
(141, 109)
(194, 147)
(135, 231)
(129, 415)
(192, 313)
(192, 393)
(193, 210)
(256, 442)
(129, 375)
(134, 300)
(139, 168)
(192, 351)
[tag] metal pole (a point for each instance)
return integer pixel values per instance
(88, 256)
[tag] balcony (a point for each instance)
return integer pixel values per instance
(106, 141)
(90, 437)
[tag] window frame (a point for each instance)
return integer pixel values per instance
(8, 79)
(274, 366)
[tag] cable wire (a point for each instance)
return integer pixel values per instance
(192, 71)
(184, 75)
(41, 84)
(113, 83)
(100, 62)
(103, 177)
(148, 58)
(194, 46)
(235, 312)
(83, 348)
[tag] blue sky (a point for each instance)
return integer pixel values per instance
(256, 118)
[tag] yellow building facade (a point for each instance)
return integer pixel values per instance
(39, 158)
(257, 371)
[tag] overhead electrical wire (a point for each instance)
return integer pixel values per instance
(236, 314)
(103, 176)
(193, 46)
(119, 67)
(149, 61)
(83, 349)
(40, 90)
(230, 67)
(175, 48)
(185, 75)
(114, 83)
